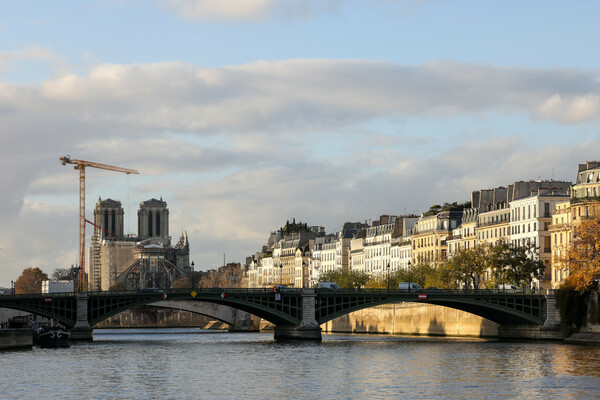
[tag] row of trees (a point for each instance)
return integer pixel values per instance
(484, 266)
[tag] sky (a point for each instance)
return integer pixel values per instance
(243, 114)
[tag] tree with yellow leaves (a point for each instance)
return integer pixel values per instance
(582, 258)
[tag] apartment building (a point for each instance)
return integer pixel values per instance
(430, 234)
(530, 219)
(560, 235)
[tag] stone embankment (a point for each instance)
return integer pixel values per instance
(413, 319)
(592, 338)
(16, 339)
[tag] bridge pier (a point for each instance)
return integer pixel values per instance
(82, 331)
(309, 329)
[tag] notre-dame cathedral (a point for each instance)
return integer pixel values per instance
(131, 262)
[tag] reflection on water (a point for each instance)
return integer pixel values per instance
(187, 363)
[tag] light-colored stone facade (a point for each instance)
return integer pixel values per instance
(530, 219)
(430, 235)
(560, 235)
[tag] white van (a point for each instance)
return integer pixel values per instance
(328, 285)
(409, 286)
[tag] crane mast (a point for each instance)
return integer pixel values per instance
(81, 165)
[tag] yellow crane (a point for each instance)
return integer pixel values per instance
(81, 165)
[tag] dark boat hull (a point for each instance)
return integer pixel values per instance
(52, 338)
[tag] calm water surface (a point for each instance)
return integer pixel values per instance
(195, 364)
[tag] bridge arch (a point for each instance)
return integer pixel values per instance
(498, 308)
(220, 312)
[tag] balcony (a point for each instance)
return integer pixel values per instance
(557, 227)
(580, 200)
(492, 223)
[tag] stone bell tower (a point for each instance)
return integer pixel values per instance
(108, 215)
(153, 221)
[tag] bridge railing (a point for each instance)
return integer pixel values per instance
(440, 291)
(219, 290)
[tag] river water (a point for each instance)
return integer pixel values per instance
(196, 364)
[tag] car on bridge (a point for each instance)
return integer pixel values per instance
(328, 286)
(409, 286)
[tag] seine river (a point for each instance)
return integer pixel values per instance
(195, 364)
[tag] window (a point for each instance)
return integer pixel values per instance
(150, 223)
(157, 224)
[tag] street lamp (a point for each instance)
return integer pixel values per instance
(304, 275)
(77, 280)
(12, 287)
(192, 274)
(409, 275)
(388, 277)
(280, 273)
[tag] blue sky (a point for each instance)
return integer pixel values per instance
(242, 114)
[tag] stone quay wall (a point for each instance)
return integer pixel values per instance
(154, 318)
(16, 339)
(413, 319)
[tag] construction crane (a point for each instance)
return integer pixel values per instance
(81, 165)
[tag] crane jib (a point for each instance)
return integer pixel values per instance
(81, 165)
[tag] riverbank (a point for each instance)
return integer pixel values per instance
(592, 338)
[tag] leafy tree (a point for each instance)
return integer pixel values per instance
(456, 206)
(30, 281)
(377, 282)
(64, 274)
(442, 277)
(229, 276)
(420, 273)
(582, 258)
(346, 279)
(521, 264)
(186, 281)
(468, 266)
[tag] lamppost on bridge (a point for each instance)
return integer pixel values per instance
(192, 273)
(388, 277)
(409, 275)
(12, 287)
(304, 274)
(280, 273)
(76, 287)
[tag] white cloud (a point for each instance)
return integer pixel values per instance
(251, 10)
(296, 95)
(235, 151)
(570, 109)
(8, 59)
